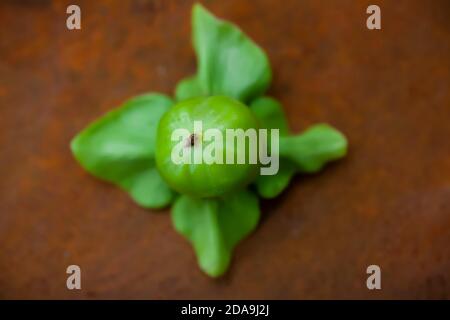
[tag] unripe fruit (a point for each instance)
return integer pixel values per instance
(205, 179)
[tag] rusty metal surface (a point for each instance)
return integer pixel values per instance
(387, 203)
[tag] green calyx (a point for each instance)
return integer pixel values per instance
(212, 204)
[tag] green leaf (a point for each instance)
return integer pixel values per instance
(271, 116)
(188, 88)
(312, 149)
(271, 186)
(307, 152)
(120, 147)
(215, 226)
(148, 189)
(229, 62)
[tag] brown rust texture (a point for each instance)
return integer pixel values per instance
(387, 203)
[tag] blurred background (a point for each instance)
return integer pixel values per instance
(387, 203)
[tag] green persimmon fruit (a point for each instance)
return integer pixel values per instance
(205, 178)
